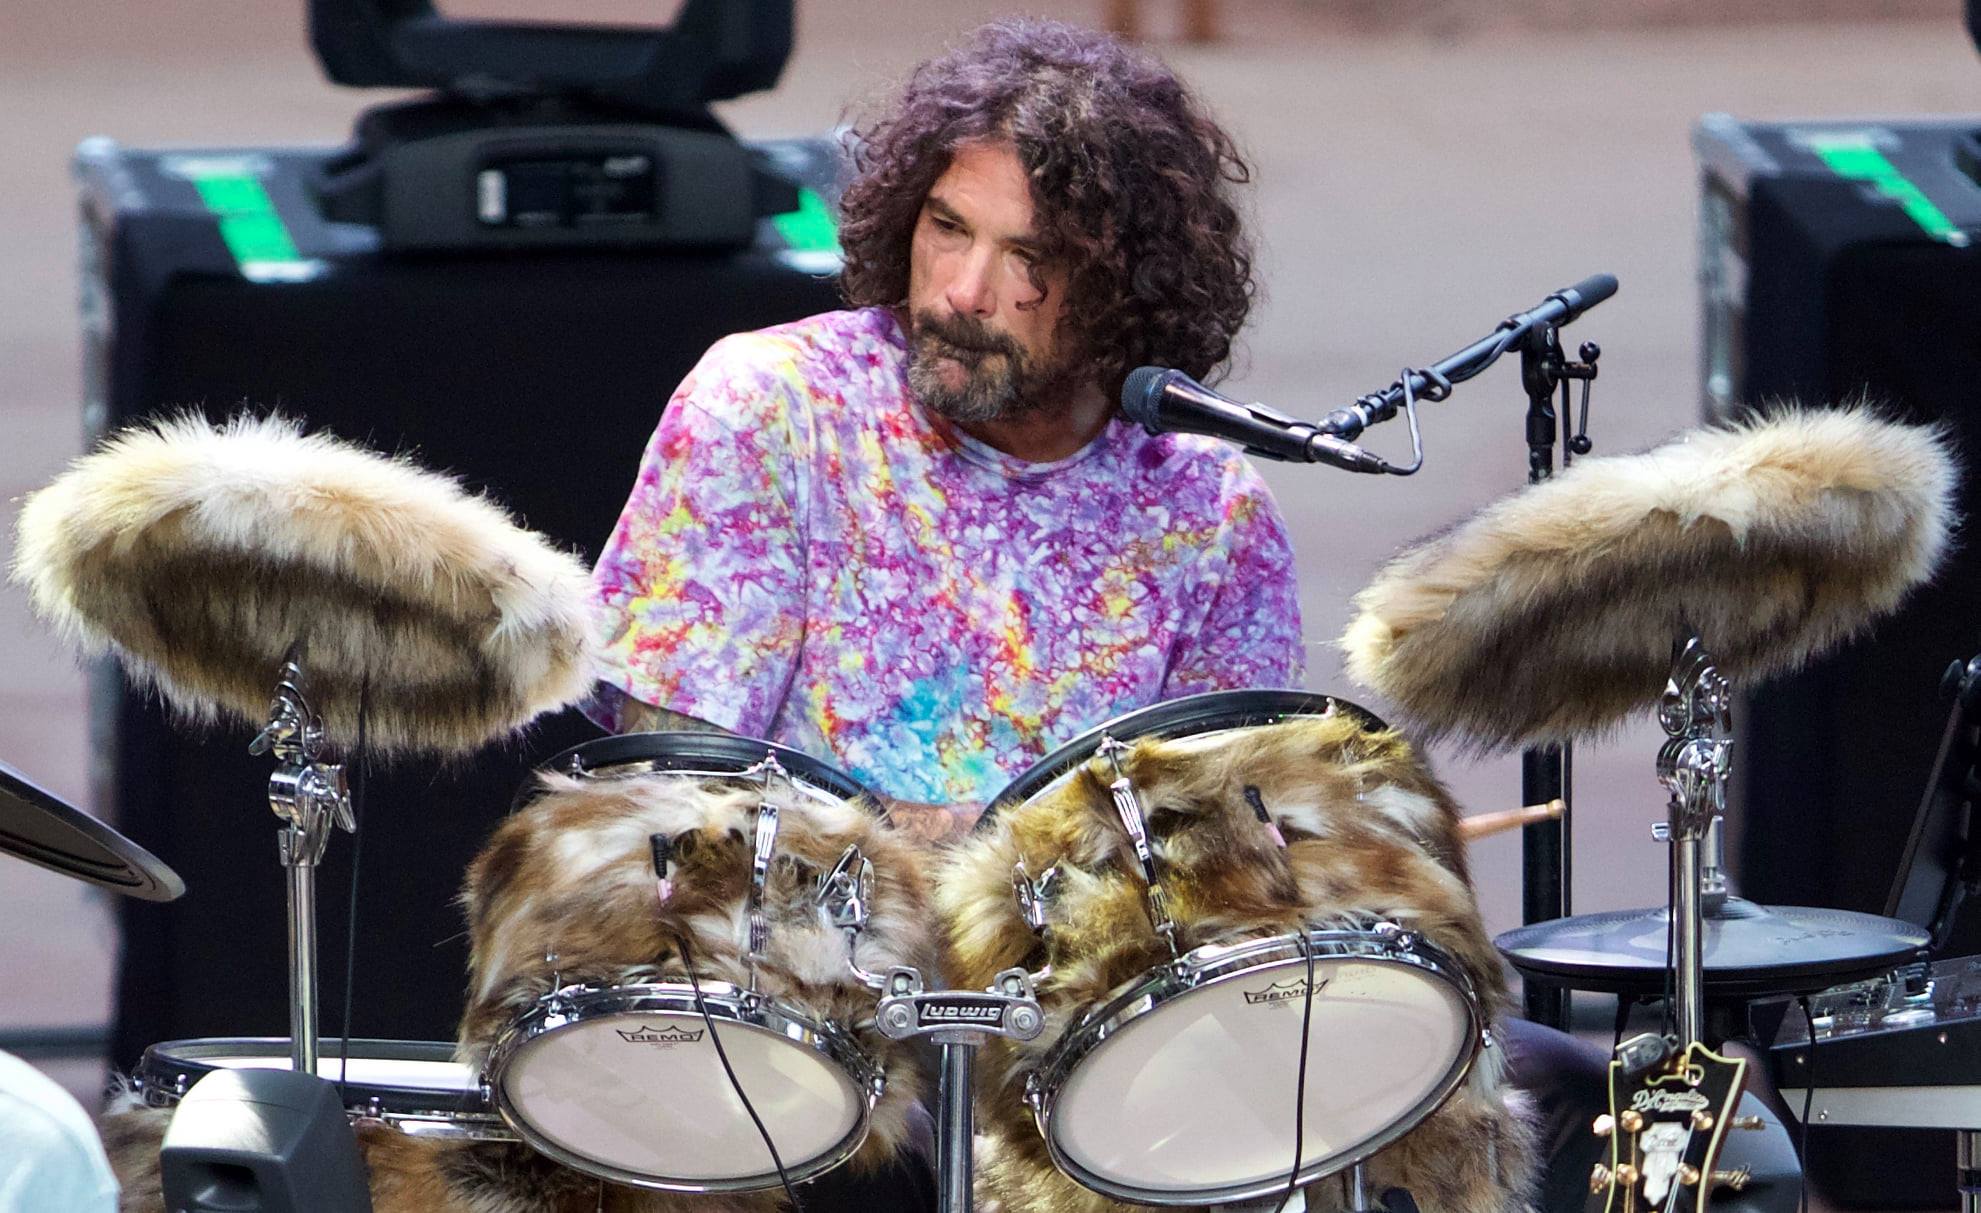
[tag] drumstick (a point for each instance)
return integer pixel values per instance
(1485, 825)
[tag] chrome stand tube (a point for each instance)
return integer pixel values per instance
(956, 1128)
(1358, 1190)
(1688, 925)
(310, 796)
(1693, 764)
(301, 868)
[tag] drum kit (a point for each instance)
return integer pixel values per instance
(1219, 952)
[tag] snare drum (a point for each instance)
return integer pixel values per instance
(415, 1086)
(1206, 886)
(598, 1050)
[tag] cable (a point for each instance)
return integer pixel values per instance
(1300, 1076)
(1808, 1095)
(735, 1084)
(359, 757)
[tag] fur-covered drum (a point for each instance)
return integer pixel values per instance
(665, 894)
(1312, 877)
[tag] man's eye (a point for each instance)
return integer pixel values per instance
(945, 225)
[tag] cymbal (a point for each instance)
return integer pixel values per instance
(38, 826)
(1551, 613)
(1749, 950)
(200, 554)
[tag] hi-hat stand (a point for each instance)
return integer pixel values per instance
(310, 795)
(1696, 712)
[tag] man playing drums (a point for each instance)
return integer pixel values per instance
(915, 537)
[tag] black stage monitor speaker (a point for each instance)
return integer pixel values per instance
(1838, 266)
(262, 1141)
(211, 282)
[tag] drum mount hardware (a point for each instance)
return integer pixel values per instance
(957, 1021)
(311, 796)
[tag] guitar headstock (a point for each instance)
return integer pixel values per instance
(1666, 1124)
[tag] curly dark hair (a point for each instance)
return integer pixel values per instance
(1130, 188)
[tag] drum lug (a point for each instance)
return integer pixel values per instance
(1396, 938)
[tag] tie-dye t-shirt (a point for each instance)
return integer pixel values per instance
(810, 557)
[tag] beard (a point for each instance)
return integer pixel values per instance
(1001, 381)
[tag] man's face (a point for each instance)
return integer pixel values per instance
(984, 340)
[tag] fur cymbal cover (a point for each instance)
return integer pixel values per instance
(199, 554)
(1551, 613)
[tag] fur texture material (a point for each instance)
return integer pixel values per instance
(200, 553)
(1369, 831)
(1552, 613)
(571, 874)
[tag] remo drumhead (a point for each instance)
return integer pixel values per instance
(625, 1082)
(1182, 1088)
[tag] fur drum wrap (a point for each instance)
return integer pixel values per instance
(199, 554)
(571, 874)
(1552, 613)
(1369, 831)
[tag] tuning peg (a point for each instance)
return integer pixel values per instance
(1604, 1126)
(1752, 1124)
(1599, 1178)
(1702, 1121)
(1631, 1119)
(1735, 1179)
(1626, 1175)
(1688, 1174)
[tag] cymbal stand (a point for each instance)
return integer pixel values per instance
(310, 795)
(958, 1021)
(1696, 712)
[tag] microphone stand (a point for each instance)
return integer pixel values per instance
(1547, 771)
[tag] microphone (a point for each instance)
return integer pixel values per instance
(1165, 400)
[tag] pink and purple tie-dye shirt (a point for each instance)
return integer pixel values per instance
(811, 558)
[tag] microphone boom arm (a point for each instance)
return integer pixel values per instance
(1435, 381)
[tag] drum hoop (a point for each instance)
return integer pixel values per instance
(421, 1111)
(1216, 964)
(728, 1003)
(1209, 712)
(693, 754)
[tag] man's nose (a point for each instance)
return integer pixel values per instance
(970, 292)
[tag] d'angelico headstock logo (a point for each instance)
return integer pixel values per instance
(1284, 991)
(670, 1035)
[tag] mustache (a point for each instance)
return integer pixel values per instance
(965, 333)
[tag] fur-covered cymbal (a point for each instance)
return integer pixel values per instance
(199, 554)
(1551, 613)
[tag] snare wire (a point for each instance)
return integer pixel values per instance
(1300, 1076)
(735, 1084)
